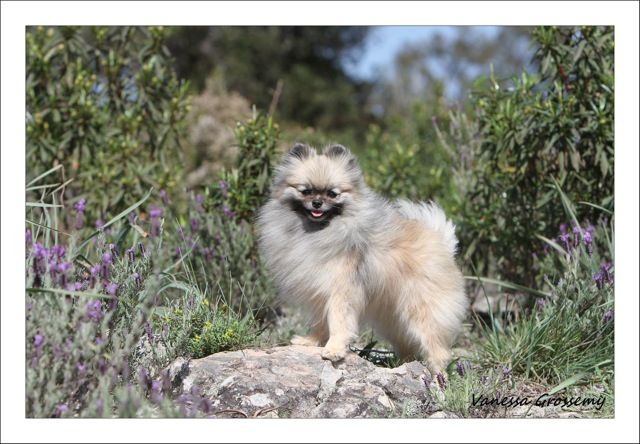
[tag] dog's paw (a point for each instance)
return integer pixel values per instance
(309, 341)
(334, 354)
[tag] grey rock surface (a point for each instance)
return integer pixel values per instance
(295, 382)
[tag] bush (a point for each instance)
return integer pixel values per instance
(570, 330)
(96, 332)
(403, 159)
(245, 187)
(557, 124)
(105, 103)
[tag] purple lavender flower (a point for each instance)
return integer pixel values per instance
(79, 207)
(94, 310)
(163, 197)
(141, 249)
(228, 212)
(94, 270)
(603, 275)
(100, 341)
(136, 279)
(588, 241)
(605, 267)
(193, 222)
(111, 288)
(460, 368)
(224, 188)
(39, 251)
(53, 267)
(77, 286)
(107, 260)
(441, 380)
(577, 235)
(82, 368)
(155, 214)
(61, 409)
(38, 340)
(99, 223)
(608, 316)
(131, 217)
(540, 304)
(564, 238)
(590, 228)
(563, 228)
(39, 263)
(506, 371)
(598, 278)
(58, 251)
(64, 267)
(132, 254)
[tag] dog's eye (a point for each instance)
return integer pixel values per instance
(332, 194)
(306, 192)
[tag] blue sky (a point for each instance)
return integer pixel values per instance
(384, 42)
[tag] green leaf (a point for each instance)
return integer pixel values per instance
(115, 219)
(509, 285)
(45, 174)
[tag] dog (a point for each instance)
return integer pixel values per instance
(347, 256)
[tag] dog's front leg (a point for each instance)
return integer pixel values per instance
(343, 315)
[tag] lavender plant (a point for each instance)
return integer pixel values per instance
(569, 332)
(96, 340)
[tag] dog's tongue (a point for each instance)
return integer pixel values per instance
(317, 213)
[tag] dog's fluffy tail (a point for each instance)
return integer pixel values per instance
(433, 217)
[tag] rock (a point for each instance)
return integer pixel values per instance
(294, 381)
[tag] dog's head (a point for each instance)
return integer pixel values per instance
(317, 186)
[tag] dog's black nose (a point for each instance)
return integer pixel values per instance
(316, 203)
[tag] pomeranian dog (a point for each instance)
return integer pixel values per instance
(347, 256)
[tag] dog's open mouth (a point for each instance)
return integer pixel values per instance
(316, 214)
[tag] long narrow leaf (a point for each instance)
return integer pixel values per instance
(45, 174)
(115, 219)
(508, 285)
(596, 206)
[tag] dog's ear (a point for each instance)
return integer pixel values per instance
(336, 150)
(301, 151)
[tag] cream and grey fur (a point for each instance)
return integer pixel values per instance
(353, 257)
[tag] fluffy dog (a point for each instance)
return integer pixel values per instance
(346, 256)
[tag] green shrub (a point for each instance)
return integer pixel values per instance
(569, 333)
(557, 123)
(245, 187)
(105, 103)
(97, 342)
(403, 159)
